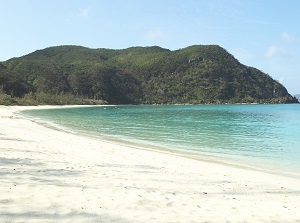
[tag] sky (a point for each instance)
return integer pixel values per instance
(260, 33)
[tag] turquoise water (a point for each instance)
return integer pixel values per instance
(265, 136)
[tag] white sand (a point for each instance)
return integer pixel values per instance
(48, 175)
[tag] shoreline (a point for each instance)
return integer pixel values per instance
(51, 175)
(223, 159)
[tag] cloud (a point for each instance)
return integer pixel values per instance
(154, 34)
(281, 80)
(80, 13)
(287, 37)
(242, 54)
(275, 50)
(83, 12)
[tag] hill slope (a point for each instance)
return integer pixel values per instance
(196, 74)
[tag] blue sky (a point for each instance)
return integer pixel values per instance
(261, 33)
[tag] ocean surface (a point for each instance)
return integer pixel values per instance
(261, 136)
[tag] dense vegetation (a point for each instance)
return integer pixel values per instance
(148, 75)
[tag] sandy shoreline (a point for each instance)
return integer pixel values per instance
(53, 176)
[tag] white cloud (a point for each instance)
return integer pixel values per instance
(287, 37)
(281, 80)
(275, 50)
(154, 35)
(81, 13)
(242, 54)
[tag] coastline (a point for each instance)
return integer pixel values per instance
(240, 161)
(49, 175)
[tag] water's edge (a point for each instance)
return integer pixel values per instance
(197, 155)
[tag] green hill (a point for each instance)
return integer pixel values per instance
(148, 75)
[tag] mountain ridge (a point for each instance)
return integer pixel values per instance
(140, 75)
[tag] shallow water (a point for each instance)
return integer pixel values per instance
(266, 136)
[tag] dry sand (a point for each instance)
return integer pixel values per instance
(48, 175)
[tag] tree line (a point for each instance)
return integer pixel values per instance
(137, 75)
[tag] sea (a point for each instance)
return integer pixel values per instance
(263, 137)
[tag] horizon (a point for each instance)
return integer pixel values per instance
(260, 34)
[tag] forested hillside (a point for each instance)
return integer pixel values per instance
(137, 75)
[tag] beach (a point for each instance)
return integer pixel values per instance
(51, 175)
